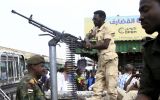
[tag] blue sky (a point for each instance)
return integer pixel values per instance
(61, 15)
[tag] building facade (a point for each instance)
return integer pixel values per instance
(128, 38)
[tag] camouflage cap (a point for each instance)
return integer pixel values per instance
(36, 59)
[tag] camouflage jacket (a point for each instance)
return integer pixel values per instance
(28, 89)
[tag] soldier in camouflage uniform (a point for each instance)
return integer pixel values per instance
(28, 88)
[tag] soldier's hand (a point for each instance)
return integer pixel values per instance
(94, 31)
(88, 45)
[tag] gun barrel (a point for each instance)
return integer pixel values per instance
(39, 25)
(13, 11)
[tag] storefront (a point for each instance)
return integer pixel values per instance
(129, 52)
(128, 36)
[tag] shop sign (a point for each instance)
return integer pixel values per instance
(125, 27)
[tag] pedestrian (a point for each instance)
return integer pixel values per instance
(127, 74)
(150, 77)
(28, 87)
(107, 72)
(45, 80)
(65, 77)
(80, 80)
(91, 80)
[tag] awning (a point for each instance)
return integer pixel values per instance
(128, 46)
(121, 47)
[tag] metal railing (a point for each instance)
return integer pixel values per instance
(4, 95)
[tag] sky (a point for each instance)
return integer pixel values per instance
(60, 15)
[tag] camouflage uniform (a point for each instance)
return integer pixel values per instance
(28, 89)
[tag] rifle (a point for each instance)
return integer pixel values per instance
(58, 36)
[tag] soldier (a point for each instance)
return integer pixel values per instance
(150, 77)
(107, 72)
(28, 88)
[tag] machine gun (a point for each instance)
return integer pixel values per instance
(58, 36)
(72, 42)
(67, 38)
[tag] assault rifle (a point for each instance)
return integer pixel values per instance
(58, 36)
